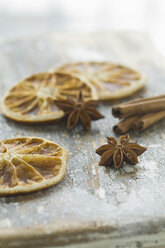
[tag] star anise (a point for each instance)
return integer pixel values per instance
(79, 111)
(116, 153)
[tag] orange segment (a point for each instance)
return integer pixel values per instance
(30, 164)
(111, 81)
(32, 100)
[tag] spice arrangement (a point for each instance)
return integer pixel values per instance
(139, 114)
(71, 94)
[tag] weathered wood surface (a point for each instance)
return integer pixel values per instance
(93, 205)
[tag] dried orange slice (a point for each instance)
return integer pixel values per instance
(32, 100)
(29, 164)
(111, 81)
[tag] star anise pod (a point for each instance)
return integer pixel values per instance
(79, 111)
(116, 153)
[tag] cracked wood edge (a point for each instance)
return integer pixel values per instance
(57, 235)
(93, 235)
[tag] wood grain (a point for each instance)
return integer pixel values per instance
(93, 206)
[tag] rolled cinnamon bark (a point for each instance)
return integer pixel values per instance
(125, 125)
(145, 99)
(148, 120)
(139, 108)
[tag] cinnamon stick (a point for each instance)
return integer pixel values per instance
(148, 120)
(139, 107)
(144, 99)
(125, 125)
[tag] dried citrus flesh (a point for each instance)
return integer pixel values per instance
(32, 100)
(29, 164)
(111, 81)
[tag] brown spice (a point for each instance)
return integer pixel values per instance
(79, 110)
(139, 107)
(147, 120)
(139, 114)
(116, 153)
(125, 125)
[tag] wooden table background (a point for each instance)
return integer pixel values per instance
(93, 206)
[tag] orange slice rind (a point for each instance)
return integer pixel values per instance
(29, 164)
(32, 100)
(111, 81)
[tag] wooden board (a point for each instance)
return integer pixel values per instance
(93, 206)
